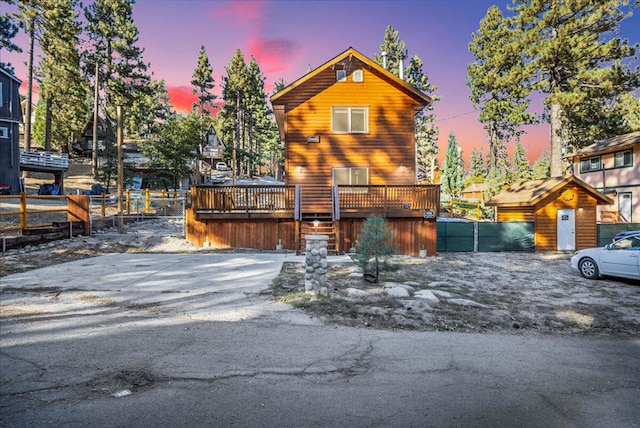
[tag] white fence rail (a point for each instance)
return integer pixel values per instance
(45, 159)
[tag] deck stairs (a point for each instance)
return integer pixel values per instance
(326, 226)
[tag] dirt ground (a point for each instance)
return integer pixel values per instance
(471, 292)
(476, 292)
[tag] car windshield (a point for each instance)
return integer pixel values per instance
(630, 243)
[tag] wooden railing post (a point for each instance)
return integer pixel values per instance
(23, 210)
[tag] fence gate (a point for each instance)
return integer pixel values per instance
(506, 236)
(455, 236)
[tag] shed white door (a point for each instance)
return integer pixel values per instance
(566, 230)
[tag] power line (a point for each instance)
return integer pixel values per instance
(456, 116)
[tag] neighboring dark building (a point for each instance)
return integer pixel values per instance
(10, 117)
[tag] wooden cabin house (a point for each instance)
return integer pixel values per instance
(350, 153)
(563, 210)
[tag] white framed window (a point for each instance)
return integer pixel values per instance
(350, 119)
(590, 164)
(4, 132)
(623, 159)
(358, 76)
(354, 176)
(341, 75)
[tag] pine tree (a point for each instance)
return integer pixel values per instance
(202, 83)
(492, 77)
(541, 166)
(573, 54)
(114, 37)
(522, 169)
(8, 30)
(426, 133)
(61, 82)
(230, 118)
(477, 167)
(452, 180)
(394, 49)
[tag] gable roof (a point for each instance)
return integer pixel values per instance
(351, 52)
(529, 193)
(618, 142)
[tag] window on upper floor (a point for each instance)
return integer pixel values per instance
(341, 75)
(623, 159)
(358, 76)
(4, 132)
(590, 164)
(350, 119)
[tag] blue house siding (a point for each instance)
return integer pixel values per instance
(10, 117)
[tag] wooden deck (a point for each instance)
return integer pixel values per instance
(263, 216)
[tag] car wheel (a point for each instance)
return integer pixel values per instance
(588, 268)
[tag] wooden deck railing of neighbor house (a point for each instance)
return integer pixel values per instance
(390, 200)
(245, 200)
(45, 159)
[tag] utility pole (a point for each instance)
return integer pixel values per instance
(236, 142)
(94, 155)
(119, 141)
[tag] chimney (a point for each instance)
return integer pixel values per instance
(384, 60)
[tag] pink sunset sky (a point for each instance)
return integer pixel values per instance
(288, 37)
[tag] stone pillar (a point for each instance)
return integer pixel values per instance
(315, 277)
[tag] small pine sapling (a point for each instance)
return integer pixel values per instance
(375, 242)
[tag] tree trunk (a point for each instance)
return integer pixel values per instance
(27, 109)
(47, 126)
(555, 138)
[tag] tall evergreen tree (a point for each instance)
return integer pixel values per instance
(571, 52)
(521, 166)
(114, 37)
(492, 79)
(61, 82)
(394, 49)
(541, 166)
(202, 83)
(477, 167)
(230, 118)
(395, 52)
(452, 180)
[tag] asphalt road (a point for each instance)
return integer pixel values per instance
(169, 340)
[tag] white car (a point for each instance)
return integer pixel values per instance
(621, 259)
(221, 166)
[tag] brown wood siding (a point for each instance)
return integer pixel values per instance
(410, 235)
(387, 146)
(546, 214)
(260, 234)
(516, 214)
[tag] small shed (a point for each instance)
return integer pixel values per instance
(563, 210)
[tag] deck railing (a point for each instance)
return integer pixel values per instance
(418, 197)
(45, 159)
(243, 198)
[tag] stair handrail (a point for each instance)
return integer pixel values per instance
(335, 199)
(297, 212)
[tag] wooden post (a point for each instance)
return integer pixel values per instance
(23, 210)
(120, 169)
(78, 210)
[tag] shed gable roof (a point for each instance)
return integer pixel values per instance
(351, 52)
(529, 193)
(618, 142)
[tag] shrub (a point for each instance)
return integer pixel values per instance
(375, 242)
